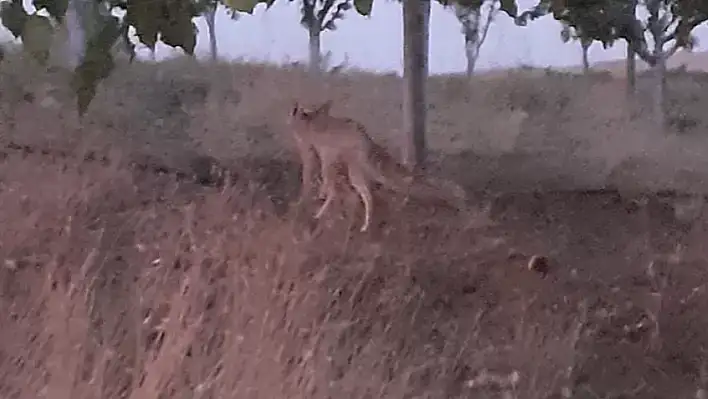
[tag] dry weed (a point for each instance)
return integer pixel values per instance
(122, 283)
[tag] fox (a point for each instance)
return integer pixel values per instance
(344, 145)
(308, 154)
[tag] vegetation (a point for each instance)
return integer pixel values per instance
(150, 249)
(667, 28)
(124, 277)
(475, 23)
(209, 9)
(171, 22)
(569, 33)
(319, 16)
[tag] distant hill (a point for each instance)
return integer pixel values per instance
(694, 61)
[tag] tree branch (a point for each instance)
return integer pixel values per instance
(341, 9)
(308, 19)
(641, 50)
(490, 17)
(543, 8)
(674, 18)
(674, 48)
(322, 13)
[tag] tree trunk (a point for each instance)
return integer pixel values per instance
(210, 17)
(586, 61)
(470, 19)
(315, 49)
(83, 22)
(659, 70)
(472, 52)
(631, 59)
(659, 95)
(76, 43)
(631, 71)
(416, 15)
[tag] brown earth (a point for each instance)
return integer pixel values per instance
(124, 277)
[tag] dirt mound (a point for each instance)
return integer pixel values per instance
(152, 249)
(117, 284)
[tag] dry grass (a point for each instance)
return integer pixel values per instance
(122, 282)
(582, 128)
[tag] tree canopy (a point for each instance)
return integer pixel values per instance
(169, 21)
(609, 20)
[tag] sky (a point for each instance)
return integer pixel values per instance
(375, 42)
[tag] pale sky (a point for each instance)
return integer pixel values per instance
(375, 42)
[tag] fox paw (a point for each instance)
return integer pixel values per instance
(322, 194)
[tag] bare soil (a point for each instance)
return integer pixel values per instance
(129, 271)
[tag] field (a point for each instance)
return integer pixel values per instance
(132, 268)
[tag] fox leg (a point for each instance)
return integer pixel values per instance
(308, 156)
(324, 188)
(335, 171)
(329, 180)
(361, 185)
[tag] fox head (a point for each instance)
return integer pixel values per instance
(297, 112)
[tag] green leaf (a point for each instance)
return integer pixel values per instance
(204, 5)
(170, 20)
(55, 8)
(246, 6)
(181, 33)
(97, 62)
(364, 7)
(145, 17)
(37, 37)
(13, 16)
(509, 7)
(177, 28)
(84, 96)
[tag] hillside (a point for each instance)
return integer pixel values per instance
(154, 249)
(693, 61)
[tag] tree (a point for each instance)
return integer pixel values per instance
(94, 31)
(416, 17)
(569, 33)
(416, 14)
(171, 22)
(475, 23)
(97, 31)
(631, 62)
(317, 17)
(669, 25)
(668, 28)
(209, 8)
